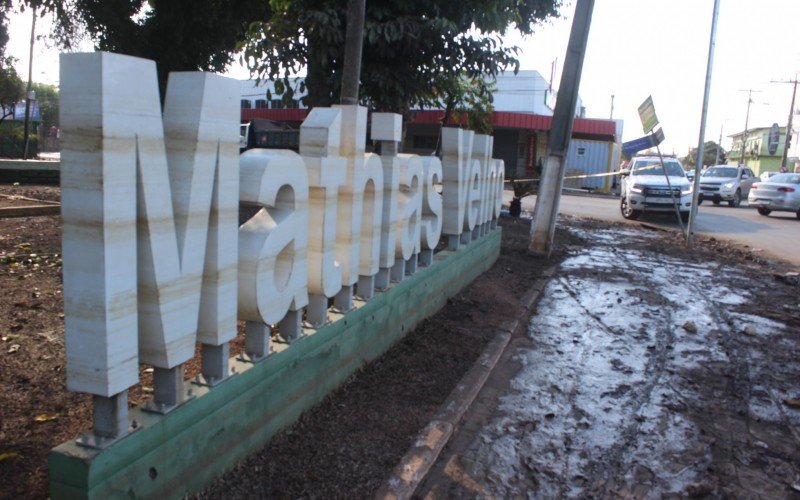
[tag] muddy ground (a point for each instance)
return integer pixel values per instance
(343, 448)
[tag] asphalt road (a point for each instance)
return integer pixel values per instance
(777, 236)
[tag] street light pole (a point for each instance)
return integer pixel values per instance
(29, 90)
(702, 141)
(789, 123)
(746, 122)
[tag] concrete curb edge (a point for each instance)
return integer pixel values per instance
(418, 460)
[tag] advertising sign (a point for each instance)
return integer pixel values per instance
(774, 139)
(647, 113)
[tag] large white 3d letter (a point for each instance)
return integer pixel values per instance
(273, 244)
(186, 168)
(456, 162)
(98, 213)
(409, 208)
(319, 147)
(387, 129)
(431, 229)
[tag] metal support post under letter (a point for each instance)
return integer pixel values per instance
(453, 241)
(291, 326)
(411, 265)
(366, 287)
(110, 415)
(256, 340)
(701, 146)
(317, 312)
(168, 388)
(343, 301)
(214, 362)
(544, 220)
(398, 270)
(426, 257)
(466, 237)
(382, 278)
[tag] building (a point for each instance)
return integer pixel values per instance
(757, 155)
(523, 109)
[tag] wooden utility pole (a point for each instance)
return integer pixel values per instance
(544, 219)
(354, 41)
(789, 123)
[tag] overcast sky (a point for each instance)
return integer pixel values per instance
(636, 48)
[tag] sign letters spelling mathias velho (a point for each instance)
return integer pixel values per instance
(155, 259)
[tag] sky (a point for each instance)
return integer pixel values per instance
(636, 48)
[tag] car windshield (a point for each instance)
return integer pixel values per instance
(785, 179)
(653, 167)
(722, 172)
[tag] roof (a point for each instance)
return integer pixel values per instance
(582, 127)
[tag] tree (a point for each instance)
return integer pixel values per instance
(47, 97)
(410, 47)
(12, 89)
(180, 35)
(709, 155)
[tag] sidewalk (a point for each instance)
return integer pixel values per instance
(642, 374)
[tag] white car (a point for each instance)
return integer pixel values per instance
(647, 186)
(780, 194)
(729, 183)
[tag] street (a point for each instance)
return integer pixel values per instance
(647, 371)
(777, 236)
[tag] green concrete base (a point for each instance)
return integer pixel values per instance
(191, 446)
(30, 171)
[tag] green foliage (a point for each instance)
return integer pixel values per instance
(180, 35)
(47, 96)
(410, 47)
(11, 88)
(709, 155)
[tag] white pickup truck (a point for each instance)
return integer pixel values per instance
(647, 186)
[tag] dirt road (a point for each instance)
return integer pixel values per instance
(644, 373)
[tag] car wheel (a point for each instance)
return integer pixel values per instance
(798, 213)
(628, 212)
(715, 202)
(737, 199)
(699, 201)
(767, 211)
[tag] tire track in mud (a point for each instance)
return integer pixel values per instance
(606, 469)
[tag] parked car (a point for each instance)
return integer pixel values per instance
(780, 194)
(645, 187)
(729, 183)
(765, 176)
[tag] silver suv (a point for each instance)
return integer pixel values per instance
(645, 187)
(729, 183)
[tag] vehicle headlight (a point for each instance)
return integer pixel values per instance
(728, 185)
(636, 188)
(686, 190)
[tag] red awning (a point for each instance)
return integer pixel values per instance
(590, 127)
(529, 121)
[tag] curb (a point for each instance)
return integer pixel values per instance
(418, 460)
(30, 211)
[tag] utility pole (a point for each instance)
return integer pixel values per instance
(789, 123)
(611, 115)
(544, 220)
(746, 121)
(702, 140)
(354, 41)
(29, 91)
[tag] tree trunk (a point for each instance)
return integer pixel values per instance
(354, 41)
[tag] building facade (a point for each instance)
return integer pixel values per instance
(523, 109)
(756, 151)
